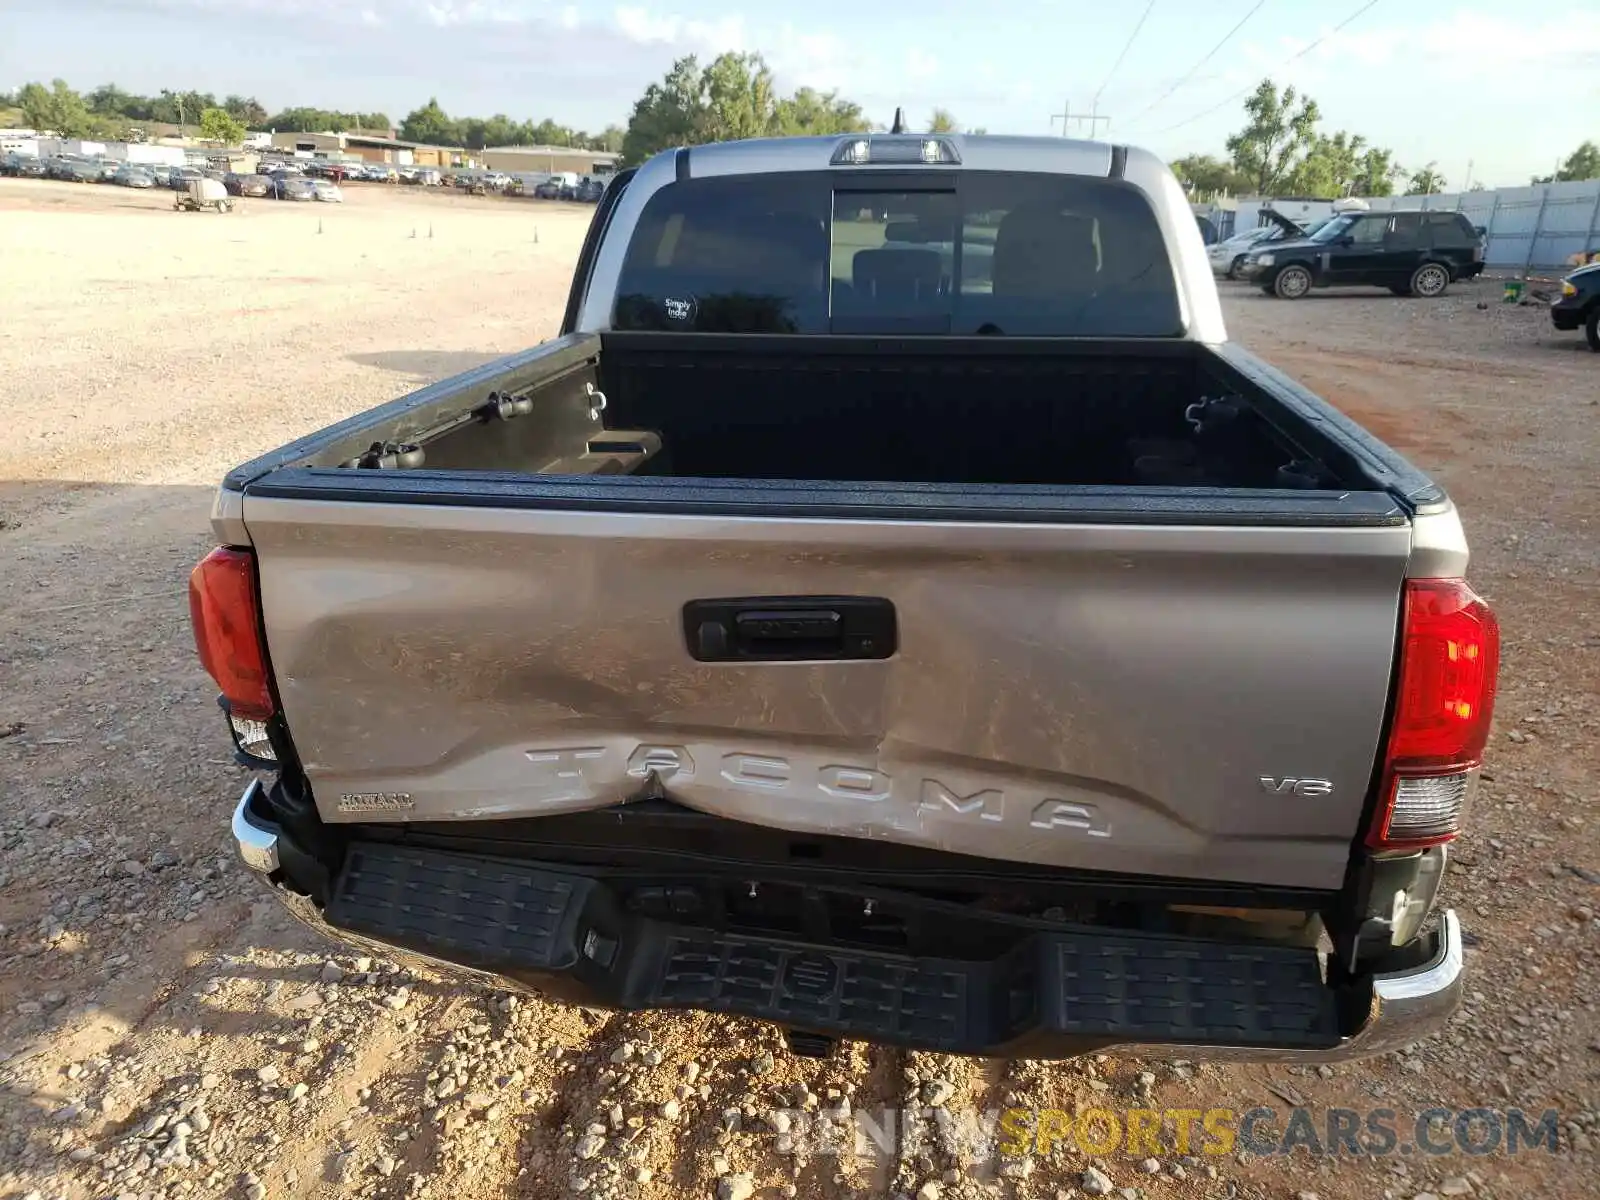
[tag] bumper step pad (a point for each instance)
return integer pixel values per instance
(1054, 994)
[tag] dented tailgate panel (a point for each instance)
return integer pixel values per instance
(1192, 701)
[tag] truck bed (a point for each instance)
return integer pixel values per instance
(973, 423)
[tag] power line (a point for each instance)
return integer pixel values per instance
(1094, 105)
(1245, 91)
(1210, 54)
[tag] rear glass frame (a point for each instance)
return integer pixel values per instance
(1082, 256)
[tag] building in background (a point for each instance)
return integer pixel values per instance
(548, 160)
(133, 152)
(371, 147)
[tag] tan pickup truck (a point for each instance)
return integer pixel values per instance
(892, 609)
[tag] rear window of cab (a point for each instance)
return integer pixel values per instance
(978, 253)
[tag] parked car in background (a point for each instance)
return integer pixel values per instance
(293, 187)
(327, 191)
(108, 169)
(1413, 252)
(73, 169)
(589, 191)
(29, 167)
(134, 176)
(178, 179)
(1578, 305)
(1227, 256)
(240, 183)
(550, 189)
(11, 164)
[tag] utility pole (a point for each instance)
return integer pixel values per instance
(1063, 116)
(1068, 118)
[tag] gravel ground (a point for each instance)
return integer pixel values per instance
(166, 1030)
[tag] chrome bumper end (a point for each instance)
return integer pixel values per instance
(258, 847)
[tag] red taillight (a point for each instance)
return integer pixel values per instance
(1449, 659)
(227, 631)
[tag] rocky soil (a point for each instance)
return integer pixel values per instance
(166, 1030)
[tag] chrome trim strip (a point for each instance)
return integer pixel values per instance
(258, 849)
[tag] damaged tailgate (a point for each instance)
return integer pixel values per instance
(1182, 699)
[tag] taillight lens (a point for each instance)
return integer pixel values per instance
(1449, 661)
(226, 614)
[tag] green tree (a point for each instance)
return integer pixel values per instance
(111, 101)
(431, 126)
(610, 139)
(246, 109)
(1426, 181)
(739, 100)
(810, 112)
(548, 133)
(1206, 175)
(668, 114)
(1582, 163)
(1376, 174)
(1330, 166)
(314, 120)
(732, 97)
(1279, 132)
(216, 125)
(941, 121)
(56, 108)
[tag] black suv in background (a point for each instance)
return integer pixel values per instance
(1410, 252)
(1578, 306)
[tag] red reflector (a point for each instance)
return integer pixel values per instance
(1444, 703)
(227, 625)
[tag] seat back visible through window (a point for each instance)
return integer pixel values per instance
(895, 274)
(1043, 252)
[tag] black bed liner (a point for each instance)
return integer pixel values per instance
(1392, 490)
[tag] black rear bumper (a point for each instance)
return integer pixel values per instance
(1053, 994)
(1056, 992)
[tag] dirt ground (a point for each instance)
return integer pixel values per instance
(166, 1030)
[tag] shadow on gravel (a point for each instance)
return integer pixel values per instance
(426, 365)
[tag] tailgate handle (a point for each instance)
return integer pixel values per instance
(790, 629)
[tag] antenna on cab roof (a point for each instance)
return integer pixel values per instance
(899, 125)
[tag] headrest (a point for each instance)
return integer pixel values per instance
(1042, 251)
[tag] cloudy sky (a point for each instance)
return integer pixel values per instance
(1433, 81)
